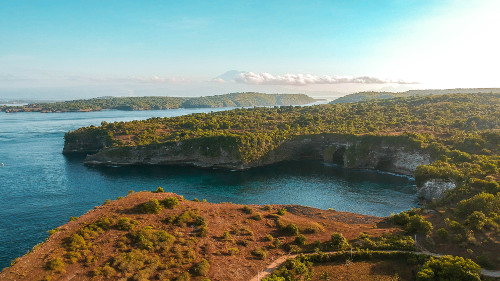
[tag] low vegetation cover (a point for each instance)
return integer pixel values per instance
(163, 102)
(446, 268)
(461, 133)
(366, 96)
(162, 236)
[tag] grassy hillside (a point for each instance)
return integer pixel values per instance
(161, 236)
(365, 96)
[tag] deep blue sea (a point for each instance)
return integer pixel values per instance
(41, 189)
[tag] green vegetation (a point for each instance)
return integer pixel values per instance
(170, 202)
(385, 242)
(150, 207)
(338, 241)
(159, 102)
(412, 221)
(367, 96)
(449, 268)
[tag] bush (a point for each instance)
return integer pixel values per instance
(183, 277)
(282, 211)
(338, 241)
(202, 268)
(125, 224)
(269, 237)
(455, 226)
(170, 202)
(300, 240)
(449, 268)
(56, 265)
(442, 234)
(483, 202)
(277, 243)
(291, 229)
(400, 219)
(476, 220)
(150, 207)
(418, 224)
(159, 190)
(256, 216)
(247, 210)
(260, 252)
(233, 251)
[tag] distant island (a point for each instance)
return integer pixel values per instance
(247, 99)
(366, 96)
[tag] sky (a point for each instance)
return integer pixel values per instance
(73, 49)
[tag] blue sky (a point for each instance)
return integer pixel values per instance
(178, 47)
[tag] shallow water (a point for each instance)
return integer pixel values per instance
(41, 188)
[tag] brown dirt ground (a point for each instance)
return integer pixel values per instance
(364, 271)
(220, 217)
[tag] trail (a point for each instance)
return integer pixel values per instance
(279, 261)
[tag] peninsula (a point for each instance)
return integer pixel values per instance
(247, 99)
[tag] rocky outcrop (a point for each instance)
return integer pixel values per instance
(171, 153)
(394, 154)
(434, 189)
(391, 154)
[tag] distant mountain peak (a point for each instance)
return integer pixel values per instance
(229, 76)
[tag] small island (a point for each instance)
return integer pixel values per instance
(247, 99)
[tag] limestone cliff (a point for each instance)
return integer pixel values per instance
(391, 154)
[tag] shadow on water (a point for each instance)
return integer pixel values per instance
(304, 169)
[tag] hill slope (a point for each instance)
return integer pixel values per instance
(121, 240)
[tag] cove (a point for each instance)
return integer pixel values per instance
(41, 188)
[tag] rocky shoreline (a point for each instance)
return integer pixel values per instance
(390, 154)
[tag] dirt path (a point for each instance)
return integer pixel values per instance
(279, 261)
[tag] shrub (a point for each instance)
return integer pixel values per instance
(282, 211)
(73, 218)
(483, 202)
(256, 216)
(476, 220)
(269, 237)
(170, 202)
(442, 234)
(105, 223)
(56, 265)
(418, 224)
(125, 224)
(150, 207)
(202, 268)
(449, 268)
(202, 232)
(456, 226)
(277, 243)
(183, 277)
(338, 241)
(260, 252)
(247, 210)
(291, 229)
(75, 242)
(300, 240)
(400, 219)
(226, 235)
(159, 190)
(233, 251)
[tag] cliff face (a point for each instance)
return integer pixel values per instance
(390, 154)
(381, 153)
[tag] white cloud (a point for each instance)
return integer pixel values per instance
(308, 79)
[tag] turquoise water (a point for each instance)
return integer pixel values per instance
(41, 188)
